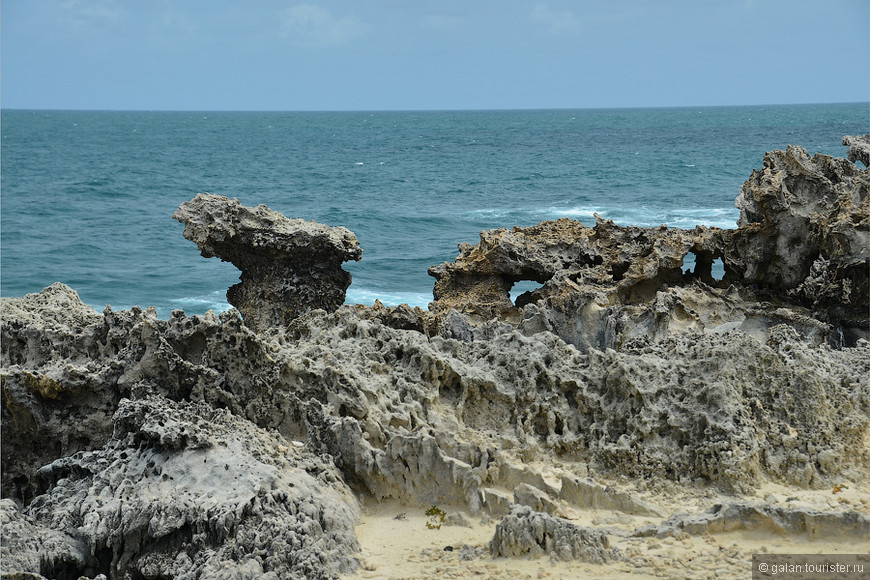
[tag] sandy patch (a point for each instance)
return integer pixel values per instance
(396, 543)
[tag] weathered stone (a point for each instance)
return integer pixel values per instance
(796, 210)
(525, 532)
(531, 496)
(388, 403)
(186, 491)
(742, 516)
(859, 148)
(589, 494)
(289, 266)
(802, 251)
(622, 372)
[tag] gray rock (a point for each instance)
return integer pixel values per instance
(802, 241)
(586, 493)
(388, 404)
(527, 532)
(289, 266)
(528, 495)
(186, 491)
(859, 148)
(29, 550)
(458, 519)
(620, 365)
(742, 516)
(798, 209)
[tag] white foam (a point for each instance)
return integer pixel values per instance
(574, 212)
(195, 304)
(642, 216)
(368, 297)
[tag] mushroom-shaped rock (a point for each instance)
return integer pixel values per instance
(289, 266)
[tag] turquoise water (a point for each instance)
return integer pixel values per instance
(87, 197)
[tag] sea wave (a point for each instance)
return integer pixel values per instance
(644, 216)
(368, 296)
(212, 301)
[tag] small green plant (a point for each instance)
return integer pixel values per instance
(436, 518)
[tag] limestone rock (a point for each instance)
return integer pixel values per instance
(430, 419)
(744, 516)
(588, 493)
(859, 148)
(26, 545)
(620, 368)
(51, 392)
(185, 491)
(527, 532)
(798, 209)
(289, 266)
(802, 250)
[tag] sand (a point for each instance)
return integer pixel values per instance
(396, 542)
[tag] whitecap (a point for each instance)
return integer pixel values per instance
(573, 212)
(198, 304)
(367, 297)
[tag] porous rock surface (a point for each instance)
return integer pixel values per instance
(737, 515)
(527, 532)
(229, 500)
(601, 389)
(289, 266)
(859, 148)
(800, 256)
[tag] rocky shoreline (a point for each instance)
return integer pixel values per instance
(249, 444)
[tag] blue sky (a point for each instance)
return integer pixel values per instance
(444, 54)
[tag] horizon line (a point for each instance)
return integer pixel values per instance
(434, 110)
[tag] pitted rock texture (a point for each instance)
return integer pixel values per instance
(51, 394)
(186, 491)
(859, 148)
(802, 209)
(432, 419)
(735, 516)
(525, 532)
(802, 251)
(289, 266)
(622, 375)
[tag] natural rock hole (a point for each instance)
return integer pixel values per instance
(718, 270)
(522, 292)
(702, 267)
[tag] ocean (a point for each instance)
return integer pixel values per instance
(87, 196)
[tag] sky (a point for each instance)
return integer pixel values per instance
(436, 54)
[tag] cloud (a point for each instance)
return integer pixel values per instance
(556, 21)
(315, 26)
(82, 16)
(174, 20)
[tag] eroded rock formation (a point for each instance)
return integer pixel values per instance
(527, 532)
(233, 502)
(780, 520)
(800, 256)
(211, 446)
(411, 417)
(859, 148)
(289, 266)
